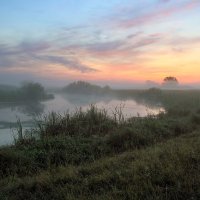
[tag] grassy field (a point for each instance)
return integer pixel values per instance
(91, 155)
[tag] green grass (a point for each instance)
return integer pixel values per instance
(168, 170)
(91, 155)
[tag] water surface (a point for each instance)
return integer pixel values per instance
(10, 112)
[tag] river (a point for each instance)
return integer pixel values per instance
(11, 112)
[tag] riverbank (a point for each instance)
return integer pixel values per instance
(168, 170)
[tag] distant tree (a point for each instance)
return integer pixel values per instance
(32, 91)
(170, 78)
(170, 82)
(28, 92)
(82, 87)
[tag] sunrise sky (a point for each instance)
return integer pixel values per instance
(105, 41)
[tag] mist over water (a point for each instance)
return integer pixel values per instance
(28, 112)
(31, 101)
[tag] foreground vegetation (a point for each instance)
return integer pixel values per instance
(91, 155)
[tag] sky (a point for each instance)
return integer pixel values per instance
(112, 42)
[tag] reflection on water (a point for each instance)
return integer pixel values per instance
(32, 109)
(9, 113)
(85, 100)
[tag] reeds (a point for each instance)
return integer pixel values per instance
(93, 121)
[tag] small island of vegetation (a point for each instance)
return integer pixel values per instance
(85, 88)
(28, 92)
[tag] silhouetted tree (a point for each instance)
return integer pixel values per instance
(170, 82)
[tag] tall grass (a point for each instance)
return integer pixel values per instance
(93, 121)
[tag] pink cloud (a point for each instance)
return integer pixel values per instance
(157, 15)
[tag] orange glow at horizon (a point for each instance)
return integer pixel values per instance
(183, 65)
